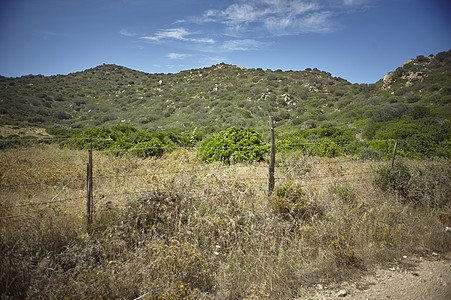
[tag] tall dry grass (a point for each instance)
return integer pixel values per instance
(174, 227)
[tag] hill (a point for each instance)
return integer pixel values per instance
(220, 96)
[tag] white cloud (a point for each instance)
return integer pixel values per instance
(207, 41)
(241, 13)
(243, 45)
(317, 22)
(126, 33)
(251, 23)
(175, 33)
(355, 2)
(176, 55)
(279, 17)
(180, 34)
(268, 14)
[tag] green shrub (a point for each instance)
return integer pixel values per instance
(387, 113)
(121, 138)
(326, 142)
(233, 144)
(415, 140)
(395, 179)
(406, 182)
(427, 185)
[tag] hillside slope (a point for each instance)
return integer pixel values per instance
(224, 95)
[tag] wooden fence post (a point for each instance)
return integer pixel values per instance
(90, 202)
(394, 154)
(272, 158)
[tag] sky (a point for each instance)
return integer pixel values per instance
(358, 40)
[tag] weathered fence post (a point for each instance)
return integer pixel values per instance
(89, 203)
(394, 154)
(272, 158)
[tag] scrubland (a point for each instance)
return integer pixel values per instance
(174, 227)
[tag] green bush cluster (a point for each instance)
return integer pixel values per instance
(119, 138)
(415, 141)
(239, 144)
(327, 142)
(233, 144)
(396, 178)
(415, 185)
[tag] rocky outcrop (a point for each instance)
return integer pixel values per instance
(289, 100)
(265, 95)
(410, 76)
(407, 62)
(388, 79)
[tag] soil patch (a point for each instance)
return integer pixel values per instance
(410, 278)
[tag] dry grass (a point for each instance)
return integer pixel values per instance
(174, 227)
(7, 130)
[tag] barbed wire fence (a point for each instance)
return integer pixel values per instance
(101, 189)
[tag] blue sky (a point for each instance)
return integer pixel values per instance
(358, 40)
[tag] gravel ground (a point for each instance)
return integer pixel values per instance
(409, 278)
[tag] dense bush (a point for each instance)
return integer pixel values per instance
(120, 138)
(427, 185)
(388, 112)
(416, 141)
(233, 144)
(397, 179)
(328, 142)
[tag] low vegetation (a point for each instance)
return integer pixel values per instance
(233, 144)
(412, 101)
(175, 227)
(180, 180)
(246, 144)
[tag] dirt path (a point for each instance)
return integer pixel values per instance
(411, 278)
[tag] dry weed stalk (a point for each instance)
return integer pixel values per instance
(174, 227)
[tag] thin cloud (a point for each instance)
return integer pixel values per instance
(126, 33)
(247, 25)
(175, 33)
(176, 55)
(273, 16)
(243, 45)
(356, 2)
(268, 18)
(180, 34)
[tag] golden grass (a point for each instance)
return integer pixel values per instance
(174, 227)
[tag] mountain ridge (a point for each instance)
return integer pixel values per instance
(225, 95)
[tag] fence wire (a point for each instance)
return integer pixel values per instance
(221, 172)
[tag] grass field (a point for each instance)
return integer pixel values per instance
(174, 227)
